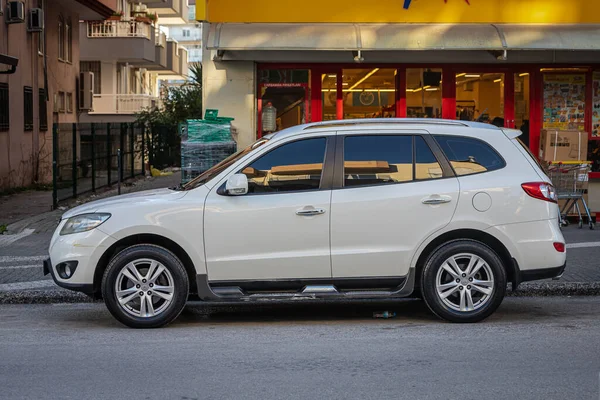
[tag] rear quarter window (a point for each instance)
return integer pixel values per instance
(469, 156)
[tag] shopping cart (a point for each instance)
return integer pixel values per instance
(570, 180)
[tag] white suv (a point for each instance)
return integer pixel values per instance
(446, 210)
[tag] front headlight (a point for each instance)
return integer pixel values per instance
(83, 223)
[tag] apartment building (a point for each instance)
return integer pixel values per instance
(44, 36)
(189, 35)
(128, 54)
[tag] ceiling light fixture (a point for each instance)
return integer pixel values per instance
(472, 75)
(364, 78)
(524, 74)
(497, 80)
(461, 74)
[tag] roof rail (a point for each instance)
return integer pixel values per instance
(396, 121)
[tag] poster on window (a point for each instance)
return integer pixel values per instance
(596, 106)
(564, 102)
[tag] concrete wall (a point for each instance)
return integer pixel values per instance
(230, 87)
(26, 157)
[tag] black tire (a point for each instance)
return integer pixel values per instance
(169, 261)
(436, 261)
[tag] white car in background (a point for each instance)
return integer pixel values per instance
(449, 211)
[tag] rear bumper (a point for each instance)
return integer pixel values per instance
(535, 274)
(78, 287)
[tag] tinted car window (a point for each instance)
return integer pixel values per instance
(469, 156)
(426, 165)
(290, 167)
(372, 160)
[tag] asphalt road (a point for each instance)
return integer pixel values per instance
(532, 348)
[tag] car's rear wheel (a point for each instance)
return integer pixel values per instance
(145, 286)
(463, 281)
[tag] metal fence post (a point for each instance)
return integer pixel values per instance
(131, 149)
(122, 132)
(143, 148)
(74, 165)
(108, 152)
(54, 166)
(119, 171)
(93, 127)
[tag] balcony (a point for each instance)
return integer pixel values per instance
(160, 58)
(123, 41)
(170, 12)
(122, 103)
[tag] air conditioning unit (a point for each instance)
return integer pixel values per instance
(15, 12)
(35, 23)
(86, 91)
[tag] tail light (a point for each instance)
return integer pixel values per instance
(540, 190)
(560, 247)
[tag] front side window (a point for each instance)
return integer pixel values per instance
(374, 160)
(290, 167)
(469, 156)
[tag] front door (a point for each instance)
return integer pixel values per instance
(280, 229)
(395, 194)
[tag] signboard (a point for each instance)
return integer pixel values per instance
(400, 11)
(564, 101)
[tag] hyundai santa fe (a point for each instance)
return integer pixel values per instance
(449, 211)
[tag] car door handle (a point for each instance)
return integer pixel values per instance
(307, 212)
(436, 199)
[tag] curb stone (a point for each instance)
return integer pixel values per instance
(57, 296)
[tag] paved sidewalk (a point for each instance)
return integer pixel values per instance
(32, 210)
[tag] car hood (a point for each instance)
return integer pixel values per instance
(139, 197)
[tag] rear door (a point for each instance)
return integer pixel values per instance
(390, 193)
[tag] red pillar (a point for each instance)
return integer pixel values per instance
(339, 102)
(536, 102)
(316, 97)
(509, 100)
(448, 93)
(401, 92)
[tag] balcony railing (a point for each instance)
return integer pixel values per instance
(122, 103)
(161, 39)
(103, 29)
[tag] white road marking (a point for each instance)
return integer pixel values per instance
(12, 259)
(582, 245)
(27, 285)
(21, 266)
(5, 240)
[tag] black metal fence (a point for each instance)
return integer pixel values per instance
(86, 156)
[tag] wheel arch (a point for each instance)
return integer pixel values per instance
(145, 238)
(473, 234)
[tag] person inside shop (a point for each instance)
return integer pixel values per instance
(525, 129)
(498, 121)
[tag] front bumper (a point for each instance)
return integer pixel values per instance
(78, 287)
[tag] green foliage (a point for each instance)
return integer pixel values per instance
(179, 103)
(2, 229)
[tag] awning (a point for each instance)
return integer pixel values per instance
(385, 37)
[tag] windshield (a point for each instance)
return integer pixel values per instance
(223, 165)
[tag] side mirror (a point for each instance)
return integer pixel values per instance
(236, 185)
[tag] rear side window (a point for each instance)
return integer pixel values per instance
(469, 156)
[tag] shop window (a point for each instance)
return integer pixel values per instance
(290, 167)
(596, 105)
(375, 160)
(369, 93)
(480, 97)
(469, 156)
(28, 108)
(564, 101)
(4, 107)
(284, 98)
(522, 105)
(329, 90)
(423, 93)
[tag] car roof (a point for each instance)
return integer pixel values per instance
(384, 123)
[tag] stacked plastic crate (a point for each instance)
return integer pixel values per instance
(204, 143)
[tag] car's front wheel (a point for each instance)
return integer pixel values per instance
(463, 281)
(145, 286)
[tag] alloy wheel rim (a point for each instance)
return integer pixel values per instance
(465, 282)
(144, 288)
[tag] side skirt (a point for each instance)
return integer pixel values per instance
(367, 288)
